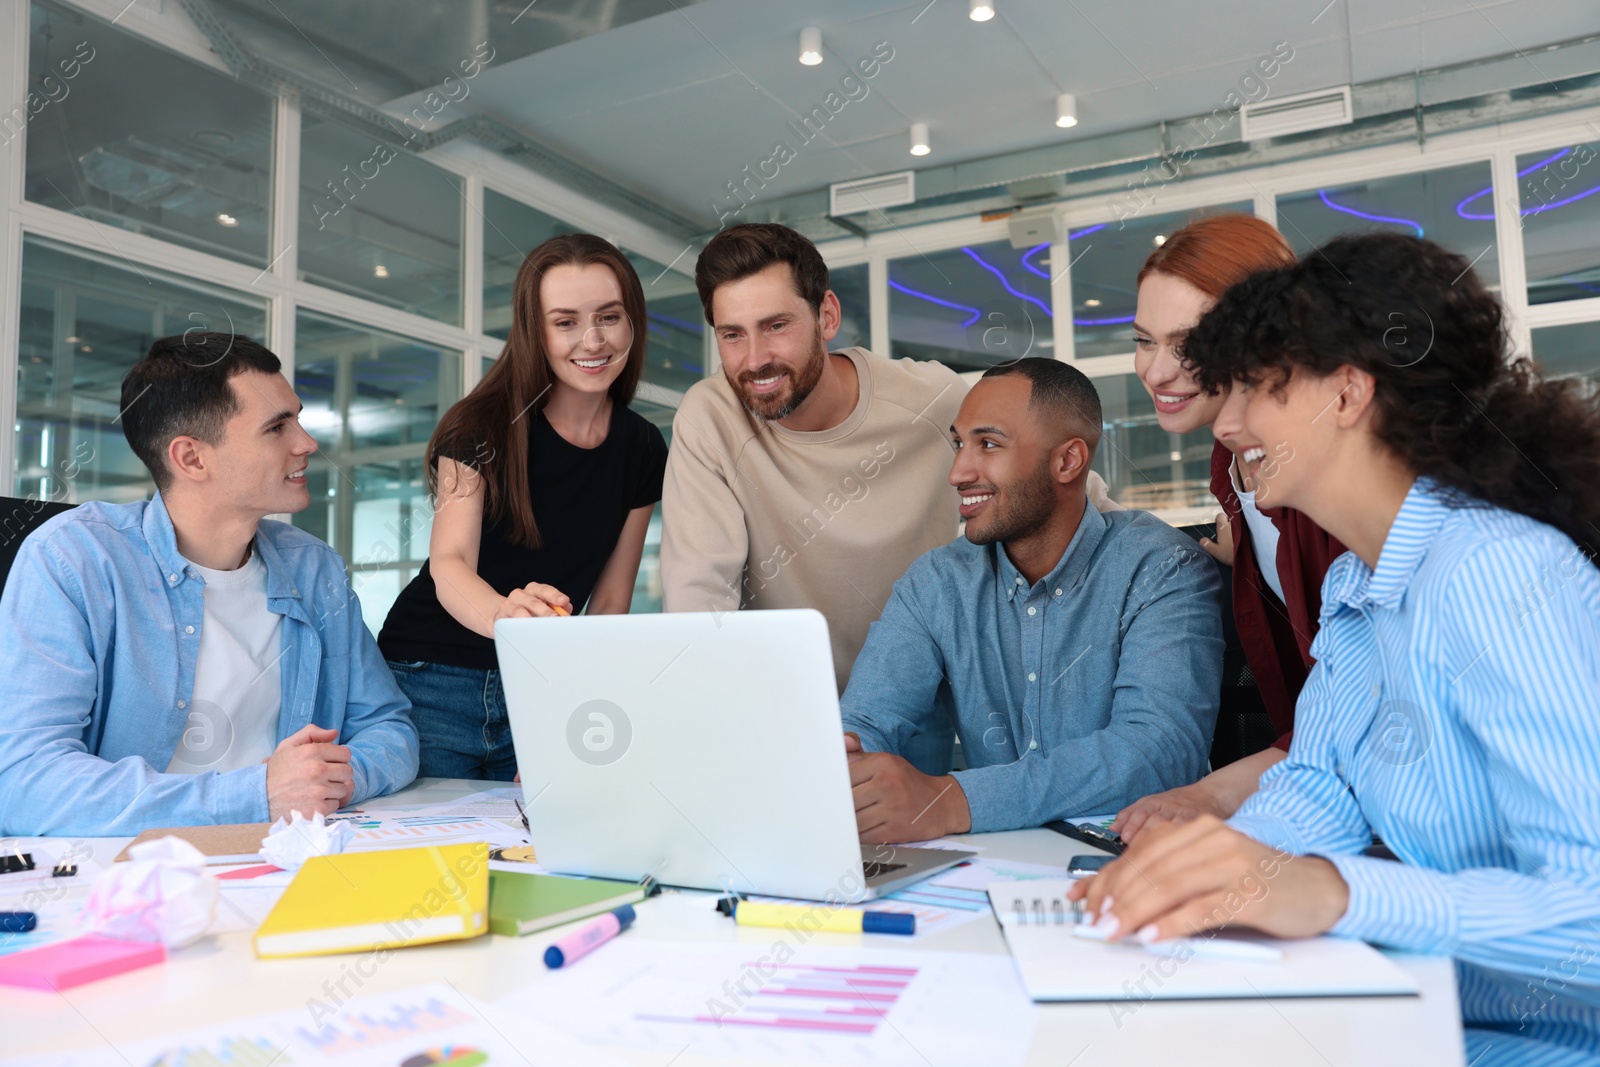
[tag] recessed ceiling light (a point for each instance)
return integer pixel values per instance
(811, 46)
(1066, 110)
(1161, 239)
(919, 139)
(1091, 303)
(1176, 457)
(980, 10)
(380, 271)
(225, 219)
(72, 340)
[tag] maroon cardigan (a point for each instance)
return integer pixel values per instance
(1276, 637)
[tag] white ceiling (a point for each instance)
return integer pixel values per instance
(675, 106)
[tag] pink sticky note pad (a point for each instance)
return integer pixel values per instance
(72, 963)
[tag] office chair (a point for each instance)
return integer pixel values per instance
(18, 518)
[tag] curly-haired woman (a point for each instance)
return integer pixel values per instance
(1455, 705)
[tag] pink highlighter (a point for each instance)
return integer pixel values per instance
(588, 937)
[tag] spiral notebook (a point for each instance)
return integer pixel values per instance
(1057, 965)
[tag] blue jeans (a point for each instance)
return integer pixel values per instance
(460, 716)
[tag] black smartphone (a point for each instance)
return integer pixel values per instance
(1084, 866)
(1089, 834)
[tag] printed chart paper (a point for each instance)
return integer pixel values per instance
(418, 1027)
(759, 1001)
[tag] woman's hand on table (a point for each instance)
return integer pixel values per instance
(1178, 880)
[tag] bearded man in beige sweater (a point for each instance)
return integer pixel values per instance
(800, 477)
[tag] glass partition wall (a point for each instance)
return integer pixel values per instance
(150, 206)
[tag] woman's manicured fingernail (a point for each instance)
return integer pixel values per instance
(1105, 904)
(1148, 934)
(1109, 924)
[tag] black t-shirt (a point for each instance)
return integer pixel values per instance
(581, 499)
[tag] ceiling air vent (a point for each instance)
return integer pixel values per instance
(1294, 114)
(886, 190)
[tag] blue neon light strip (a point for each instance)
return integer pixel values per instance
(1006, 282)
(682, 324)
(1525, 212)
(976, 314)
(1027, 261)
(1323, 195)
(1461, 206)
(1031, 267)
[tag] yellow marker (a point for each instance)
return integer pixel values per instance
(822, 917)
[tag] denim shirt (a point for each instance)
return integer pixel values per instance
(1077, 694)
(101, 619)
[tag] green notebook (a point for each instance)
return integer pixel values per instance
(524, 903)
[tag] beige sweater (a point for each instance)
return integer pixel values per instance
(755, 515)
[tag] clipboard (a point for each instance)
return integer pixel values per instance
(224, 843)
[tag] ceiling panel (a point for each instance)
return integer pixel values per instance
(676, 105)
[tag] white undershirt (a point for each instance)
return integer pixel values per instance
(1263, 535)
(233, 715)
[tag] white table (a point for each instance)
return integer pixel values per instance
(219, 979)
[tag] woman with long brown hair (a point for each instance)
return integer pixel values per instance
(543, 483)
(1278, 555)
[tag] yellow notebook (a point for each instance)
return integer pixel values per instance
(372, 900)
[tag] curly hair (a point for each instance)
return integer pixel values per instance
(1451, 403)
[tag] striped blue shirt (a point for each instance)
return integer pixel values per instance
(1455, 712)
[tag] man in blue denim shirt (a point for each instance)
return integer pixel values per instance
(181, 661)
(1079, 654)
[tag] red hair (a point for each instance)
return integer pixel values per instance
(1216, 253)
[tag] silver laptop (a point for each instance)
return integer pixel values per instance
(702, 750)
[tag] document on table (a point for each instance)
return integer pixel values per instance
(419, 1027)
(1057, 965)
(411, 831)
(497, 803)
(784, 999)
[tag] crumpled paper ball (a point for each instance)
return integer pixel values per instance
(290, 844)
(162, 893)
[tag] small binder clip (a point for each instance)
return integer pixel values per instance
(16, 862)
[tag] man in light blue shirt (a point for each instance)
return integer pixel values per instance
(1079, 654)
(181, 661)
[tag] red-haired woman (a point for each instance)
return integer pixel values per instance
(543, 482)
(1278, 555)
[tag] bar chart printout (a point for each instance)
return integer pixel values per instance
(816, 999)
(359, 1031)
(226, 1052)
(781, 995)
